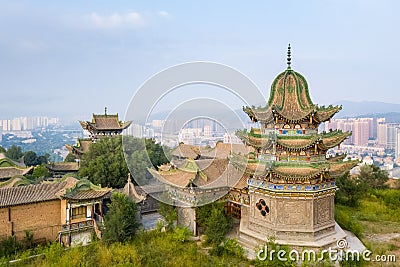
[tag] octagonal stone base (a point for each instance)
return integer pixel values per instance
(304, 220)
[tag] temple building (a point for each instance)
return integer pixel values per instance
(66, 210)
(287, 183)
(104, 125)
(197, 175)
(291, 182)
(101, 125)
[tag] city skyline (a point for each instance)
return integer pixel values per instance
(69, 59)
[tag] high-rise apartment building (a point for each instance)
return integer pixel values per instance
(361, 132)
(362, 129)
(397, 146)
(382, 133)
(26, 123)
(391, 135)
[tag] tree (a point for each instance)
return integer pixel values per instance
(156, 153)
(121, 221)
(44, 159)
(2, 150)
(31, 159)
(40, 171)
(104, 163)
(142, 154)
(70, 158)
(14, 152)
(351, 190)
(218, 225)
(373, 176)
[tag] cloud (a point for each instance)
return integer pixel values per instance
(164, 14)
(132, 20)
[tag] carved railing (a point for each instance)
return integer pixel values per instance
(77, 226)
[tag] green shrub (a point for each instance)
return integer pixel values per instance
(217, 224)
(348, 223)
(391, 197)
(9, 247)
(229, 248)
(181, 234)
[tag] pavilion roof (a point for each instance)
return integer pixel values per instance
(205, 173)
(341, 167)
(9, 172)
(15, 181)
(294, 142)
(63, 166)
(292, 171)
(81, 147)
(83, 189)
(186, 151)
(290, 100)
(267, 114)
(104, 122)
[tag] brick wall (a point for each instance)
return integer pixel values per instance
(43, 219)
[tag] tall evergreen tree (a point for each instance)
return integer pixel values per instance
(121, 222)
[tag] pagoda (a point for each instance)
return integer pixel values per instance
(290, 179)
(101, 125)
(104, 125)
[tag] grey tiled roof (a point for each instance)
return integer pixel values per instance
(63, 166)
(66, 189)
(87, 194)
(30, 194)
(8, 172)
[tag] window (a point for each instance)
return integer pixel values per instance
(262, 207)
(79, 212)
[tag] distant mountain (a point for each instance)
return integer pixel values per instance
(370, 108)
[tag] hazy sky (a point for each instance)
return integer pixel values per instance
(72, 58)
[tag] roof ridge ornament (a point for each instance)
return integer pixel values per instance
(288, 57)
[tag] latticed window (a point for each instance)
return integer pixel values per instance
(79, 212)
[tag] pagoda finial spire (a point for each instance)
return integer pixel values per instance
(288, 57)
(129, 177)
(105, 111)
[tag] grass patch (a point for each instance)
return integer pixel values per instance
(147, 249)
